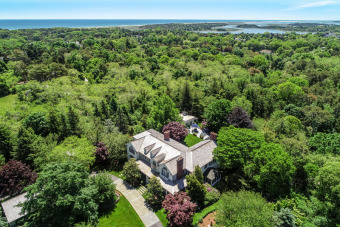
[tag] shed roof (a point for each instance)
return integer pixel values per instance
(11, 209)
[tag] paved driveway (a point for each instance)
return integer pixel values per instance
(137, 201)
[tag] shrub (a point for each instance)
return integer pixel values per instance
(180, 210)
(177, 130)
(284, 218)
(14, 177)
(132, 172)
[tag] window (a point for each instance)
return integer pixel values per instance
(132, 150)
(165, 172)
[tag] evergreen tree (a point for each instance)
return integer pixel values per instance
(198, 174)
(64, 129)
(24, 147)
(73, 121)
(113, 106)
(53, 122)
(104, 111)
(154, 194)
(6, 147)
(195, 189)
(186, 98)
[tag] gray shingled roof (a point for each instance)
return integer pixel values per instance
(155, 152)
(147, 149)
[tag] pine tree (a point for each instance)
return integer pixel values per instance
(195, 189)
(53, 122)
(64, 129)
(6, 147)
(73, 121)
(186, 98)
(154, 193)
(104, 112)
(198, 174)
(113, 106)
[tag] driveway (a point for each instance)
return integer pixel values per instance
(137, 201)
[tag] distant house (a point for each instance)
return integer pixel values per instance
(266, 52)
(12, 210)
(160, 156)
(188, 119)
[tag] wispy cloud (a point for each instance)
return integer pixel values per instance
(312, 5)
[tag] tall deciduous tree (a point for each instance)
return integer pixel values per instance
(180, 210)
(23, 149)
(163, 112)
(62, 196)
(14, 177)
(216, 114)
(244, 208)
(38, 122)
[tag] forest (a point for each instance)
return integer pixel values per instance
(77, 96)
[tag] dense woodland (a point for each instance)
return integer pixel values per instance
(277, 115)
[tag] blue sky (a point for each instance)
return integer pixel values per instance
(171, 9)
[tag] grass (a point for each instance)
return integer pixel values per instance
(122, 215)
(7, 103)
(191, 140)
(162, 217)
(200, 215)
(118, 174)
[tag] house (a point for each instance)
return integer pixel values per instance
(11, 209)
(160, 156)
(188, 119)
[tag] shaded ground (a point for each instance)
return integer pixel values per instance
(209, 220)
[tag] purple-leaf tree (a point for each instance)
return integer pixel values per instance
(101, 152)
(177, 130)
(15, 176)
(180, 210)
(240, 118)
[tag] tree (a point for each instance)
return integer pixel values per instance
(74, 148)
(186, 102)
(195, 189)
(216, 114)
(272, 168)
(243, 103)
(62, 196)
(6, 146)
(323, 143)
(23, 149)
(235, 146)
(106, 195)
(14, 177)
(177, 130)
(53, 121)
(198, 174)
(327, 184)
(180, 210)
(38, 122)
(73, 121)
(101, 153)
(155, 193)
(260, 62)
(132, 172)
(284, 218)
(240, 119)
(163, 112)
(244, 208)
(290, 92)
(116, 147)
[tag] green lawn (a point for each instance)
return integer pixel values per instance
(162, 217)
(122, 215)
(118, 174)
(7, 103)
(191, 140)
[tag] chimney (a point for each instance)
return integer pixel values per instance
(167, 135)
(180, 168)
(213, 136)
(204, 123)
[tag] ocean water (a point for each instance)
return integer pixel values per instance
(29, 24)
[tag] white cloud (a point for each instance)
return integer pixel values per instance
(312, 5)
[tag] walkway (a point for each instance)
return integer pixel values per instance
(137, 201)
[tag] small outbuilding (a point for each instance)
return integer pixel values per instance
(188, 119)
(12, 209)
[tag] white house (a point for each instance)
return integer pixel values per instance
(159, 155)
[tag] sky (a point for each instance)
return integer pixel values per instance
(171, 9)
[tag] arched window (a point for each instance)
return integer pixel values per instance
(165, 172)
